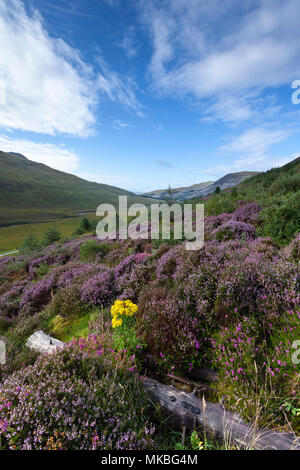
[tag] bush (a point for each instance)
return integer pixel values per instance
(70, 400)
(292, 251)
(282, 220)
(245, 357)
(99, 289)
(235, 229)
(30, 244)
(162, 317)
(52, 235)
(68, 304)
(247, 213)
(18, 356)
(90, 250)
(37, 295)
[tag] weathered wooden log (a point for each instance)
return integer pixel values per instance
(43, 343)
(213, 419)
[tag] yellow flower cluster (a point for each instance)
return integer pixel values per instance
(122, 308)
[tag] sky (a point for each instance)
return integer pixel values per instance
(142, 94)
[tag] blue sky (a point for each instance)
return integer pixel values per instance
(141, 94)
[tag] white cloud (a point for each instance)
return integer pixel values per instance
(255, 141)
(55, 156)
(129, 43)
(118, 124)
(47, 86)
(217, 48)
(253, 149)
(241, 108)
(118, 90)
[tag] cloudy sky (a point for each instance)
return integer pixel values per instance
(145, 93)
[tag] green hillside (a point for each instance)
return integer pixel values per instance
(277, 191)
(31, 192)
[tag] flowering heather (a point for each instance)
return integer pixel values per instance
(214, 221)
(130, 285)
(245, 355)
(77, 273)
(70, 400)
(99, 289)
(235, 229)
(164, 317)
(169, 262)
(37, 295)
(292, 251)
(232, 306)
(248, 213)
(10, 300)
(126, 265)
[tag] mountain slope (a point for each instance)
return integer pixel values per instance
(31, 191)
(276, 191)
(202, 189)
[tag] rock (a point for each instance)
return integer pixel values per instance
(41, 342)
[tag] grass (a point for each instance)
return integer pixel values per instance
(79, 328)
(11, 238)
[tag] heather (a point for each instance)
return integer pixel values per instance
(72, 400)
(232, 306)
(270, 201)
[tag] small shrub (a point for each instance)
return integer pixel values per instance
(282, 218)
(99, 289)
(235, 229)
(71, 401)
(67, 303)
(90, 249)
(30, 244)
(52, 235)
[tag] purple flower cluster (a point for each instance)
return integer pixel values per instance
(99, 289)
(234, 229)
(248, 213)
(69, 400)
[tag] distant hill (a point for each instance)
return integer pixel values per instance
(202, 189)
(31, 192)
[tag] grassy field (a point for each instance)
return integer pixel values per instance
(12, 237)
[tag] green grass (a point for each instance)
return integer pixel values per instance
(79, 328)
(11, 238)
(74, 328)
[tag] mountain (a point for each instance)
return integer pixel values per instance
(31, 192)
(202, 189)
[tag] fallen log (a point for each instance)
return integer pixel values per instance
(214, 420)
